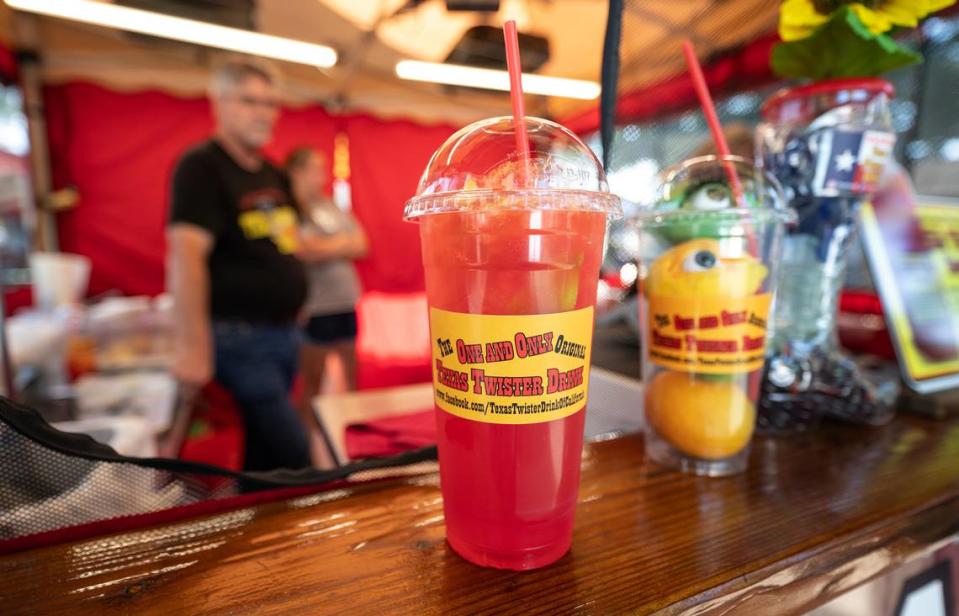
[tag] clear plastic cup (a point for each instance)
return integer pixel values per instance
(707, 278)
(511, 252)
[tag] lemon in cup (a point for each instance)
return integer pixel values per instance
(708, 419)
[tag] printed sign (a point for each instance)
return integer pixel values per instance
(507, 369)
(708, 335)
(915, 263)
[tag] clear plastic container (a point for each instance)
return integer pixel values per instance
(707, 277)
(511, 251)
(828, 143)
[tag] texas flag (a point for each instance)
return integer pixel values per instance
(851, 161)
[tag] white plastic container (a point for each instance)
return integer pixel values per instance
(58, 278)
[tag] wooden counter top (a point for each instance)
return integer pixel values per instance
(811, 518)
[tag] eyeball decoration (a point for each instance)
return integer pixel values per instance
(708, 198)
(700, 268)
(705, 198)
(700, 261)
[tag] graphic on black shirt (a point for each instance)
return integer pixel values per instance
(265, 214)
(254, 275)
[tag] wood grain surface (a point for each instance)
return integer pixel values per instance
(811, 518)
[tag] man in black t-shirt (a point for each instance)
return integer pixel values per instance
(236, 283)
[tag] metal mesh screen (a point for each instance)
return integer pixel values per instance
(51, 480)
(42, 489)
(641, 151)
(924, 112)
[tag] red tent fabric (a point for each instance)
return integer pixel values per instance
(9, 70)
(118, 150)
(387, 159)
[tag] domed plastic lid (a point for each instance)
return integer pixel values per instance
(698, 191)
(480, 168)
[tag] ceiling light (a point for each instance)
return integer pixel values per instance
(180, 29)
(469, 76)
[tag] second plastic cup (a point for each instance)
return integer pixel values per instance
(511, 252)
(707, 278)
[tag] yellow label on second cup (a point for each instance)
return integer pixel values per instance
(708, 335)
(508, 369)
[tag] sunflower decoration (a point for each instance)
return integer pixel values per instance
(841, 38)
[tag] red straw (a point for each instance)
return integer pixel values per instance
(516, 87)
(709, 110)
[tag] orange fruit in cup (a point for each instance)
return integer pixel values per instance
(708, 419)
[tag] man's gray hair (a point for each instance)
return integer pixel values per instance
(229, 74)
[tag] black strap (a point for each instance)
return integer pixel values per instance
(31, 425)
(609, 77)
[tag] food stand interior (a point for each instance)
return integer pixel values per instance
(92, 121)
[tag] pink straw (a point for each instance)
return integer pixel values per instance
(709, 110)
(516, 88)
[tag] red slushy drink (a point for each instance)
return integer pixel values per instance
(511, 250)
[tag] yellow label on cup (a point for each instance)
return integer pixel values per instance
(708, 335)
(508, 369)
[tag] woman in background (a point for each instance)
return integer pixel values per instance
(330, 240)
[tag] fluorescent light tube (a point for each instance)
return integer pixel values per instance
(180, 29)
(469, 76)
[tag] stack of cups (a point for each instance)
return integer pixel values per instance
(512, 245)
(707, 268)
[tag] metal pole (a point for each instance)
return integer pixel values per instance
(29, 65)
